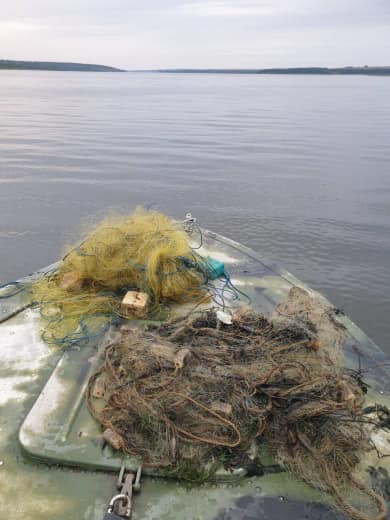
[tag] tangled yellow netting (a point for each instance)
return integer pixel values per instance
(145, 251)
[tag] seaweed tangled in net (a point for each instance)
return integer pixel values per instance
(193, 394)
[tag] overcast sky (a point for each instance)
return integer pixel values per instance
(199, 33)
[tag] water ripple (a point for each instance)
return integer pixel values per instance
(296, 167)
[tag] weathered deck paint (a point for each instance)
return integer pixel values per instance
(50, 432)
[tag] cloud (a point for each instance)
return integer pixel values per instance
(18, 26)
(220, 8)
(198, 33)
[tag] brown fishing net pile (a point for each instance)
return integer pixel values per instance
(193, 395)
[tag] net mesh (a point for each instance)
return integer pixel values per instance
(194, 395)
(145, 251)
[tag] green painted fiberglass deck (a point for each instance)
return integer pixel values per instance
(54, 466)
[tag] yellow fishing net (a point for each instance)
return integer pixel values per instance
(145, 251)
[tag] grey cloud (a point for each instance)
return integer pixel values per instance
(198, 33)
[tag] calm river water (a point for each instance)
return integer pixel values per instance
(297, 167)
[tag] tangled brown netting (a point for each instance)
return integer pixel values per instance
(194, 394)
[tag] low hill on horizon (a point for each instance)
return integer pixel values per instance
(91, 67)
(55, 65)
(366, 70)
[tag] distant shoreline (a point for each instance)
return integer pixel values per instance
(89, 67)
(55, 65)
(345, 71)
